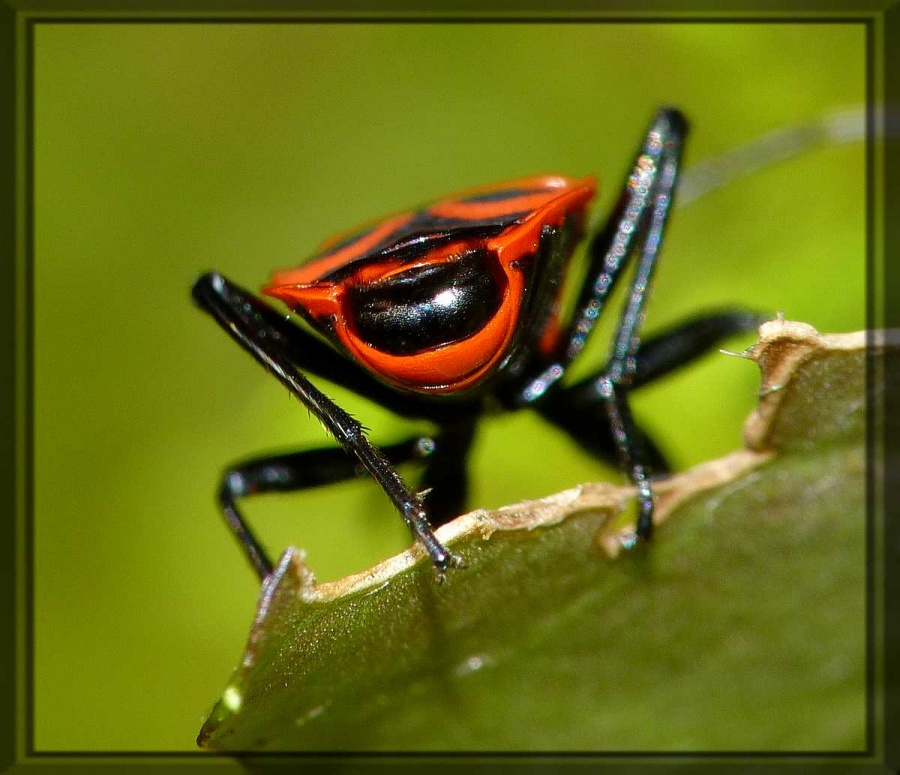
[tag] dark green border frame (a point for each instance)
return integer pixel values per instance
(891, 408)
(17, 20)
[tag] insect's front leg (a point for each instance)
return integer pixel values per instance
(631, 453)
(635, 228)
(252, 324)
(647, 195)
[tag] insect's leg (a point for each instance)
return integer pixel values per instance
(630, 365)
(248, 321)
(636, 225)
(580, 409)
(648, 194)
(445, 481)
(291, 472)
(581, 413)
(638, 217)
(687, 340)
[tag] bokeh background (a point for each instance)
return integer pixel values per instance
(162, 150)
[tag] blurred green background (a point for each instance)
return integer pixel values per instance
(162, 150)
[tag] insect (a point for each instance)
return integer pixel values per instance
(455, 309)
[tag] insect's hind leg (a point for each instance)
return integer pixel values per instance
(581, 413)
(580, 409)
(292, 472)
(689, 339)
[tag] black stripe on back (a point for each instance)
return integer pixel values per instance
(422, 233)
(502, 196)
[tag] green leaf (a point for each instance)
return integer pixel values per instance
(741, 626)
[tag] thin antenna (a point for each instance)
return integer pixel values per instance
(836, 128)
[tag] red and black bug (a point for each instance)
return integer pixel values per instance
(444, 312)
